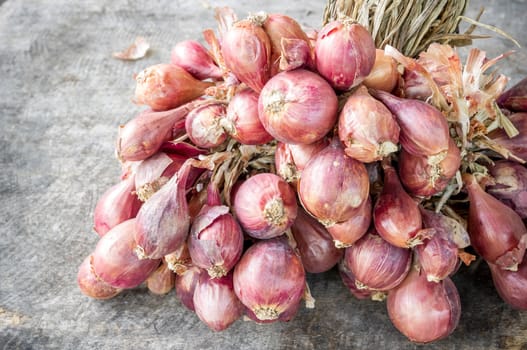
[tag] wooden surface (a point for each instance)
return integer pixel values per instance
(62, 97)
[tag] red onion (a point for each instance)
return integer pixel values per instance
(346, 233)
(367, 128)
(511, 285)
(116, 205)
(242, 122)
(424, 130)
(384, 75)
(166, 86)
(203, 125)
(290, 160)
(186, 285)
(314, 244)
(142, 136)
(420, 178)
(215, 241)
(246, 49)
(396, 215)
(163, 221)
(517, 145)
(377, 264)
(333, 185)
(348, 279)
(510, 185)
(497, 233)
(515, 98)
(92, 285)
(215, 302)
(194, 58)
(297, 107)
(265, 205)
(296, 53)
(424, 311)
(345, 53)
(162, 280)
(115, 261)
(270, 279)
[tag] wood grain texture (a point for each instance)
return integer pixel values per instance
(62, 99)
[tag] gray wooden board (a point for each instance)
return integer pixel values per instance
(62, 97)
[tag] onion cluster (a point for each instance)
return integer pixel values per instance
(271, 155)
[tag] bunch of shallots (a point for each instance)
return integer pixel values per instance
(273, 153)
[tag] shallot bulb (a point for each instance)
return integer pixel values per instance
(510, 185)
(424, 129)
(242, 122)
(377, 264)
(314, 244)
(515, 98)
(194, 58)
(333, 185)
(511, 285)
(166, 86)
(420, 178)
(297, 107)
(92, 285)
(163, 221)
(454, 230)
(186, 285)
(203, 125)
(269, 279)
(215, 302)
(367, 128)
(115, 206)
(496, 232)
(517, 145)
(396, 215)
(345, 54)
(346, 233)
(348, 279)
(162, 280)
(424, 311)
(246, 49)
(115, 261)
(265, 205)
(290, 160)
(384, 74)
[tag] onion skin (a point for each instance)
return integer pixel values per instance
(269, 279)
(516, 145)
(115, 206)
(242, 122)
(510, 185)
(265, 205)
(452, 229)
(166, 86)
(115, 261)
(496, 232)
(290, 160)
(345, 54)
(384, 75)
(367, 128)
(297, 107)
(215, 302)
(161, 281)
(424, 311)
(346, 233)
(186, 285)
(92, 285)
(438, 256)
(333, 185)
(203, 125)
(515, 98)
(377, 264)
(194, 58)
(511, 285)
(314, 244)
(246, 49)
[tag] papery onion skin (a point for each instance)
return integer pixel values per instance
(438, 256)
(424, 311)
(384, 75)
(367, 128)
(297, 107)
(453, 229)
(166, 86)
(115, 261)
(215, 302)
(290, 160)
(510, 185)
(186, 284)
(511, 285)
(269, 279)
(246, 49)
(496, 232)
(194, 58)
(161, 281)
(333, 185)
(377, 264)
(203, 125)
(314, 244)
(517, 145)
(346, 233)
(345, 54)
(265, 205)
(92, 285)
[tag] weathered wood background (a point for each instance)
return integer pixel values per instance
(62, 97)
